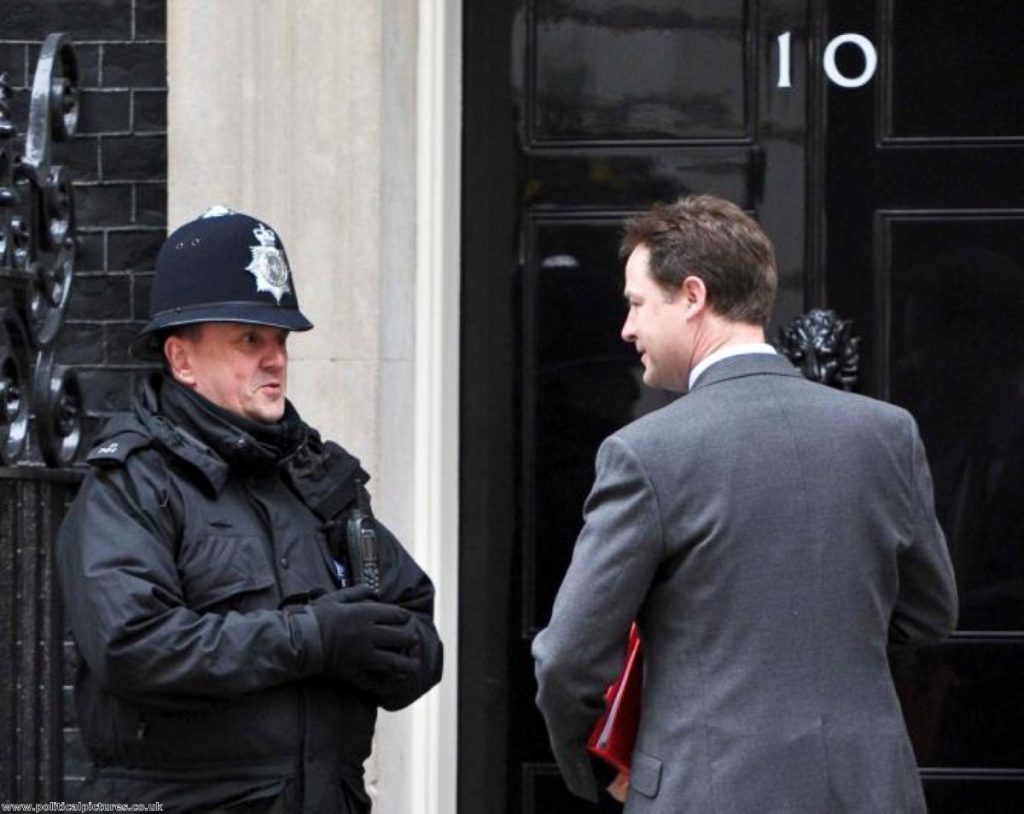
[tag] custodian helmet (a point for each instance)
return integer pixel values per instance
(223, 266)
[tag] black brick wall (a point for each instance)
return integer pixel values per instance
(118, 160)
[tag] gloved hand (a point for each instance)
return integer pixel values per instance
(366, 643)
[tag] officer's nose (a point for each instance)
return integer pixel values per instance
(276, 356)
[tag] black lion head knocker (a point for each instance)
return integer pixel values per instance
(823, 347)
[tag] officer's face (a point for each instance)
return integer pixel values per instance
(242, 368)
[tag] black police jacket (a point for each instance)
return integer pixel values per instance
(185, 562)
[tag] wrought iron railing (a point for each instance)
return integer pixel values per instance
(40, 401)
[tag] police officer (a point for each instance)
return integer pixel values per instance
(234, 649)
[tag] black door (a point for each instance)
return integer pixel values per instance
(925, 251)
(578, 112)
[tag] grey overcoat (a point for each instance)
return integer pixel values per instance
(772, 537)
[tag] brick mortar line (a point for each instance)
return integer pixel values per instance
(118, 134)
(30, 43)
(127, 227)
(90, 184)
(105, 90)
(122, 133)
(102, 88)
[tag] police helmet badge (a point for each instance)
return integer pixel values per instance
(268, 265)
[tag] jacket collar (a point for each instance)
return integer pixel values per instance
(201, 437)
(751, 364)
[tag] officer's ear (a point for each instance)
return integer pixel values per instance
(178, 354)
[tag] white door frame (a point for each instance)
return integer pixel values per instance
(438, 140)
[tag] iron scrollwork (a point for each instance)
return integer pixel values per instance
(823, 347)
(37, 262)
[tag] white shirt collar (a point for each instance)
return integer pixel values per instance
(725, 353)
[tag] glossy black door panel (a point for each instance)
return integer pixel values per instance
(626, 179)
(951, 314)
(580, 383)
(956, 71)
(947, 694)
(614, 71)
(983, 793)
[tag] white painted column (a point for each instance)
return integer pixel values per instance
(274, 109)
(419, 448)
(437, 376)
(339, 124)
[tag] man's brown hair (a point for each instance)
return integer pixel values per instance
(713, 239)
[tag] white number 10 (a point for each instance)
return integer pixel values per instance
(829, 60)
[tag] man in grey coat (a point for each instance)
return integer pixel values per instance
(771, 536)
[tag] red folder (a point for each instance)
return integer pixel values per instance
(615, 732)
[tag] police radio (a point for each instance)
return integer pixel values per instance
(361, 541)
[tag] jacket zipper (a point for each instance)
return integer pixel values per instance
(268, 526)
(264, 516)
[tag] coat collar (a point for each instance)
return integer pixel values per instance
(202, 438)
(177, 441)
(751, 364)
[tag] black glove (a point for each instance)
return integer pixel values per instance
(366, 643)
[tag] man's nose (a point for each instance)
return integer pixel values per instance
(627, 333)
(276, 357)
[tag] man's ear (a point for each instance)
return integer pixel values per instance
(694, 294)
(179, 360)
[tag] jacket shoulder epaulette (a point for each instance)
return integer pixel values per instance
(117, 444)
